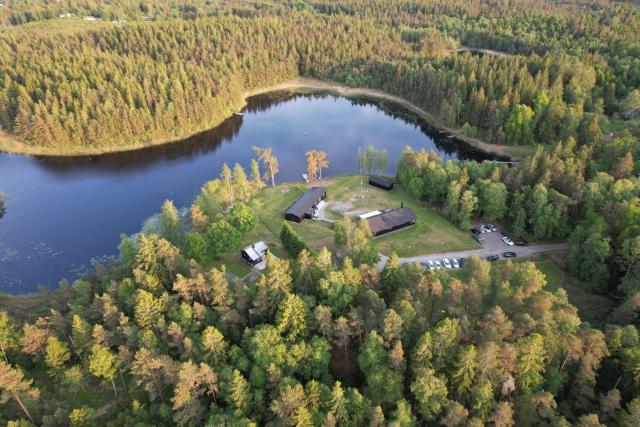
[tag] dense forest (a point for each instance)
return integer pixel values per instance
(165, 69)
(588, 193)
(162, 338)
(165, 335)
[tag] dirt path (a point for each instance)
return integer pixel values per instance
(485, 51)
(11, 144)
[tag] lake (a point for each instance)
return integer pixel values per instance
(64, 214)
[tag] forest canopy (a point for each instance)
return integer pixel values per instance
(155, 71)
(166, 335)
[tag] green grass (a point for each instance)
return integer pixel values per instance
(591, 307)
(617, 125)
(24, 307)
(521, 151)
(234, 264)
(432, 232)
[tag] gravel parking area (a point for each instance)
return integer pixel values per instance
(492, 245)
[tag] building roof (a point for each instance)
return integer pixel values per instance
(256, 250)
(391, 220)
(376, 180)
(306, 202)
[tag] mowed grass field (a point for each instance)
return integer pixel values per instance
(432, 232)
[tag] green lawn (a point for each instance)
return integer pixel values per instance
(432, 232)
(234, 264)
(617, 125)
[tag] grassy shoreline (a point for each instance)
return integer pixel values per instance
(11, 144)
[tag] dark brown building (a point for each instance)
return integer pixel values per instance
(303, 208)
(376, 181)
(391, 220)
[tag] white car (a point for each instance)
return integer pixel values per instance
(438, 265)
(431, 264)
(455, 263)
(446, 263)
(507, 240)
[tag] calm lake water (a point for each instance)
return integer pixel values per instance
(63, 215)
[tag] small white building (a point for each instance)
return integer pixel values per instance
(254, 253)
(369, 214)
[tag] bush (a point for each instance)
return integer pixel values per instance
(292, 243)
(242, 218)
(195, 246)
(221, 237)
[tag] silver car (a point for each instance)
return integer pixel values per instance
(455, 263)
(446, 263)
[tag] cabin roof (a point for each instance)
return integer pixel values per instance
(306, 202)
(380, 181)
(256, 250)
(390, 220)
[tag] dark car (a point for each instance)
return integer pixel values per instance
(461, 262)
(521, 243)
(509, 254)
(475, 231)
(493, 258)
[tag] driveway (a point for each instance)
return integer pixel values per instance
(522, 251)
(492, 245)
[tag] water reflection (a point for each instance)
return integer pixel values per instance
(63, 212)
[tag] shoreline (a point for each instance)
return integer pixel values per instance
(12, 145)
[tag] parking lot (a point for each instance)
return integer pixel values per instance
(492, 245)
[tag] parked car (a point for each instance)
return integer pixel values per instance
(509, 254)
(438, 265)
(491, 227)
(455, 263)
(475, 230)
(507, 240)
(461, 261)
(521, 243)
(446, 263)
(483, 229)
(431, 264)
(480, 239)
(493, 258)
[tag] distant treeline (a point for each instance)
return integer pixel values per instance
(121, 84)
